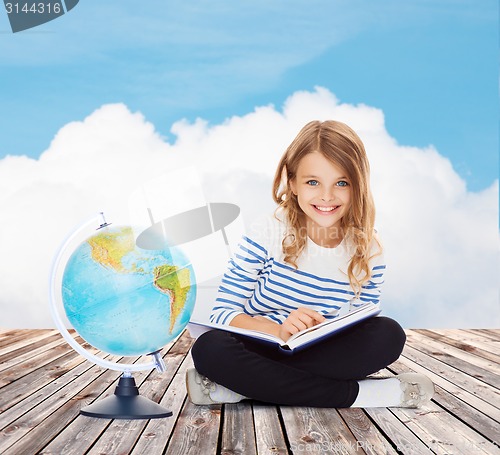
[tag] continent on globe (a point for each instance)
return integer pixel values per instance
(175, 282)
(109, 248)
(126, 300)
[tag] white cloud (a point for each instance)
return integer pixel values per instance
(441, 240)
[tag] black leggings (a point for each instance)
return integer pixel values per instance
(323, 375)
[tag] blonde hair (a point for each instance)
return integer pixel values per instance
(342, 146)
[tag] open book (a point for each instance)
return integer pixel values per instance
(300, 340)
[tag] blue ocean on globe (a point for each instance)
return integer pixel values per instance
(125, 300)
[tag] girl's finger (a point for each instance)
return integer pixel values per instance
(307, 320)
(299, 324)
(313, 314)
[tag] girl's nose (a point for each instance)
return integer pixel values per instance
(327, 195)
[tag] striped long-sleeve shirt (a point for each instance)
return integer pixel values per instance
(259, 282)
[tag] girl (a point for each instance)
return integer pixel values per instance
(318, 256)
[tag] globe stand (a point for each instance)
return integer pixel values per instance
(126, 403)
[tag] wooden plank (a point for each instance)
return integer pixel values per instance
(494, 334)
(465, 384)
(438, 428)
(19, 389)
(32, 376)
(46, 361)
(33, 399)
(54, 419)
(441, 432)
(471, 337)
(367, 435)
(119, 435)
(27, 344)
(458, 345)
(462, 410)
(453, 434)
(488, 344)
(18, 335)
(394, 431)
(122, 435)
(21, 356)
(238, 433)
(79, 393)
(477, 367)
(404, 364)
(4, 331)
(488, 337)
(474, 347)
(158, 432)
(401, 438)
(83, 432)
(268, 432)
(318, 431)
(46, 419)
(196, 431)
(76, 442)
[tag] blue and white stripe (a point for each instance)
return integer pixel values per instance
(258, 282)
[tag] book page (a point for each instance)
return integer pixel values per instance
(300, 338)
(330, 321)
(330, 327)
(197, 328)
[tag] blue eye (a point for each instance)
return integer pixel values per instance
(312, 183)
(342, 183)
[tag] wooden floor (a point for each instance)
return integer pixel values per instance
(44, 384)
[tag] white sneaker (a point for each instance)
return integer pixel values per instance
(417, 389)
(203, 391)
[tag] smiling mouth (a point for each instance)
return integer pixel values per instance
(323, 209)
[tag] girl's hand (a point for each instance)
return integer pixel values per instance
(300, 319)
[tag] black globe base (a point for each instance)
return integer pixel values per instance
(126, 403)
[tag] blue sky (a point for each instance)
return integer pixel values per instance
(430, 65)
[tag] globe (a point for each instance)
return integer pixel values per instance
(123, 299)
(129, 291)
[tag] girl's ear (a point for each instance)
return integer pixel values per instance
(293, 186)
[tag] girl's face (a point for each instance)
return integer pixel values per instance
(324, 193)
